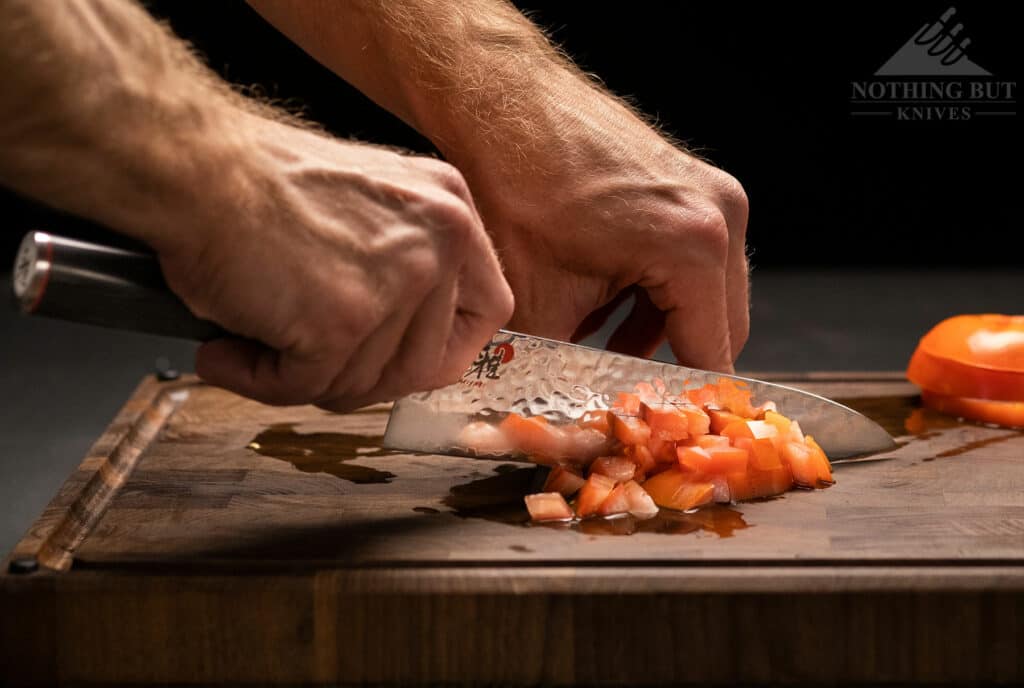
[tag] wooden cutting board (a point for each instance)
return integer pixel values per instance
(207, 538)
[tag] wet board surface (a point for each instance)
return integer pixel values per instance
(293, 535)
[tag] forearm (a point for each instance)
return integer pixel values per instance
(106, 114)
(476, 77)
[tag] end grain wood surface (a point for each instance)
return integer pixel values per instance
(257, 545)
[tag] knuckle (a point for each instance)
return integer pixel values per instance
(448, 177)
(733, 199)
(709, 228)
(458, 220)
(421, 270)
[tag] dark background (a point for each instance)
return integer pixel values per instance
(761, 89)
(865, 232)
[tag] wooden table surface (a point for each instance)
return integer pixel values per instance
(209, 539)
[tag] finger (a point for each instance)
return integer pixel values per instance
(365, 369)
(696, 321)
(593, 322)
(417, 364)
(737, 276)
(484, 301)
(254, 370)
(642, 331)
(735, 212)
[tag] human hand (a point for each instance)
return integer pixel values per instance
(355, 274)
(592, 205)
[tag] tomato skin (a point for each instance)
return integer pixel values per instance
(974, 356)
(1006, 413)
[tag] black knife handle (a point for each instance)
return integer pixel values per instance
(101, 285)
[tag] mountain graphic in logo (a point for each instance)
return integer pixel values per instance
(938, 49)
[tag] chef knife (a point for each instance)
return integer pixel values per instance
(121, 288)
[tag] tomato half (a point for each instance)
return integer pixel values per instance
(975, 356)
(1007, 413)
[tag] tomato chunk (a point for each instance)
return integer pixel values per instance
(764, 456)
(809, 467)
(707, 441)
(667, 422)
(640, 503)
(593, 493)
(484, 438)
(548, 506)
(642, 457)
(564, 481)
(630, 429)
(535, 436)
(597, 420)
(674, 489)
(617, 502)
(720, 419)
(618, 468)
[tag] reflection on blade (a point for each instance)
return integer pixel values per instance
(535, 376)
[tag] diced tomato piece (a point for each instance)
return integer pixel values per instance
(640, 503)
(649, 393)
(707, 441)
(721, 495)
(796, 433)
(644, 460)
(736, 430)
(728, 459)
(596, 420)
(663, 451)
(667, 422)
(721, 419)
(823, 466)
(593, 492)
(763, 455)
(780, 422)
(744, 443)
(548, 506)
(694, 459)
(535, 436)
(698, 421)
(617, 502)
(803, 463)
(770, 482)
(630, 429)
(627, 404)
(734, 396)
(618, 468)
(739, 486)
(761, 429)
(584, 444)
(674, 489)
(703, 396)
(484, 438)
(713, 460)
(564, 481)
